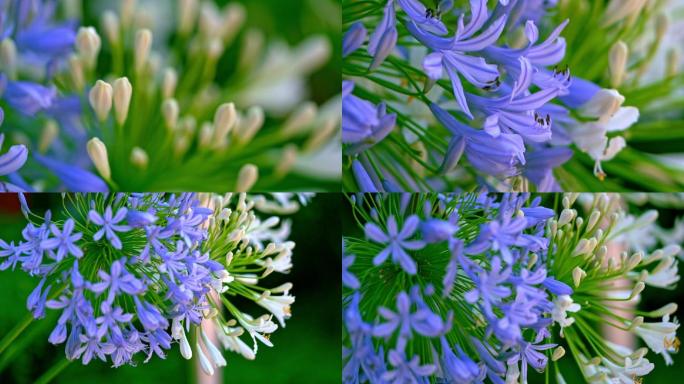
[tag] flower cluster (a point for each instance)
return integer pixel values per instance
(115, 108)
(509, 104)
(463, 288)
(133, 274)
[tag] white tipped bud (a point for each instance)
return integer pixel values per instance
(123, 92)
(672, 62)
(234, 16)
(301, 119)
(618, 63)
(206, 135)
(668, 309)
(249, 174)
(215, 49)
(111, 27)
(101, 99)
(139, 158)
(634, 260)
(662, 24)
(88, 44)
(577, 275)
(98, 154)
(76, 71)
(224, 120)
(170, 111)
(593, 219)
(558, 353)
(638, 288)
(143, 45)
(181, 146)
(250, 125)
(48, 136)
(636, 322)
(187, 13)
(8, 58)
(282, 288)
(288, 160)
(253, 46)
(169, 83)
(127, 11)
(566, 216)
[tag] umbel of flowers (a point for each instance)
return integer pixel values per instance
(468, 288)
(117, 106)
(132, 275)
(442, 95)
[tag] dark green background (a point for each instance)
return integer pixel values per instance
(306, 351)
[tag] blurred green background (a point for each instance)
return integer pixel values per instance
(652, 298)
(306, 351)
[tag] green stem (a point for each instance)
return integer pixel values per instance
(14, 333)
(53, 372)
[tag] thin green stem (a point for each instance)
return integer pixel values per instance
(15, 332)
(54, 371)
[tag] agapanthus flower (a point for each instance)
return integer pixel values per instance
(133, 281)
(521, 285)
(232, 129)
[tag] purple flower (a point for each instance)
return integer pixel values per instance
(489, 285)
(64, 241)
(406, 371)
(36, 300)
(109, 320)
(353, 39)
(396, 241)
(12, 253)
(149, 315)
(540, 166)
(11, 161)
(427, 20)
(437, 230)
(457, 369)
(118, 280)
(109, 225)
(363, 124)
(29, 98)
(423, 321)
(348, 278)
(363, 178)
(384, 38)
(75, 179)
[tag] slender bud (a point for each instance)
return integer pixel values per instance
(558, 353)
(638, 288)
(111, 27)
(206, 135)
(662, 24)
(593, 219)
(287, 161)
(636, 322)
(101, 99)
(98, 154)
(143, 45)
(301, 119)
(122, 99)
(453, 154)
(215, 48)
(251, 124)
(127, 12)
(8, 58)
(249, 174)
(618, 63)
(88, 43)
(185, 349)
(48, 136)
(577, 275)
(76, 70)
(187, 13)
(139, 158)
(169, 83)
(634, 260)
(668, 309)
(224, 120)
(566, 216)
(672, 62)
(234, 15)
(253, 45)
(170, 111)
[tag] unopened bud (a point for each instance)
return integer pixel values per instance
(76, 71)
(558, 353)
(250, 125)
(143, 45)
(618, 63)
(123, 92)
(48, 136)
(248, 176)
(187, 12)
(224, 120)
(98, 154)
(577, 275)
(111, 27)
(169, 83)
(668, 309)
(101, 99)
(88, 43)
(8, 58)
(170, 111)
(139, 158)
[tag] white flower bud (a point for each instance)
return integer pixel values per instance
(143, 45)
(558, 353)
(101, 99)
(48, 136)
(169, 83)
(666, 310)
(98, 154)
(88, 44)
(8, 58)
(187, 13)
(111, 27)
(287, 161)
(123, 92)
(636, 322)
(185, 349)
(139, 158)
(634, 260)
(638, 288)
(249, 174)
(234, 16)
(577, 275)
(593, 219)
(76, 71)
(618, 63)
(170, 111)
(250, 125)
(673, 57)
(127, 12)
(224, 121)
(566, 216)
(662, 24)
(301, 119)
(215, 49)
(214, 353)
